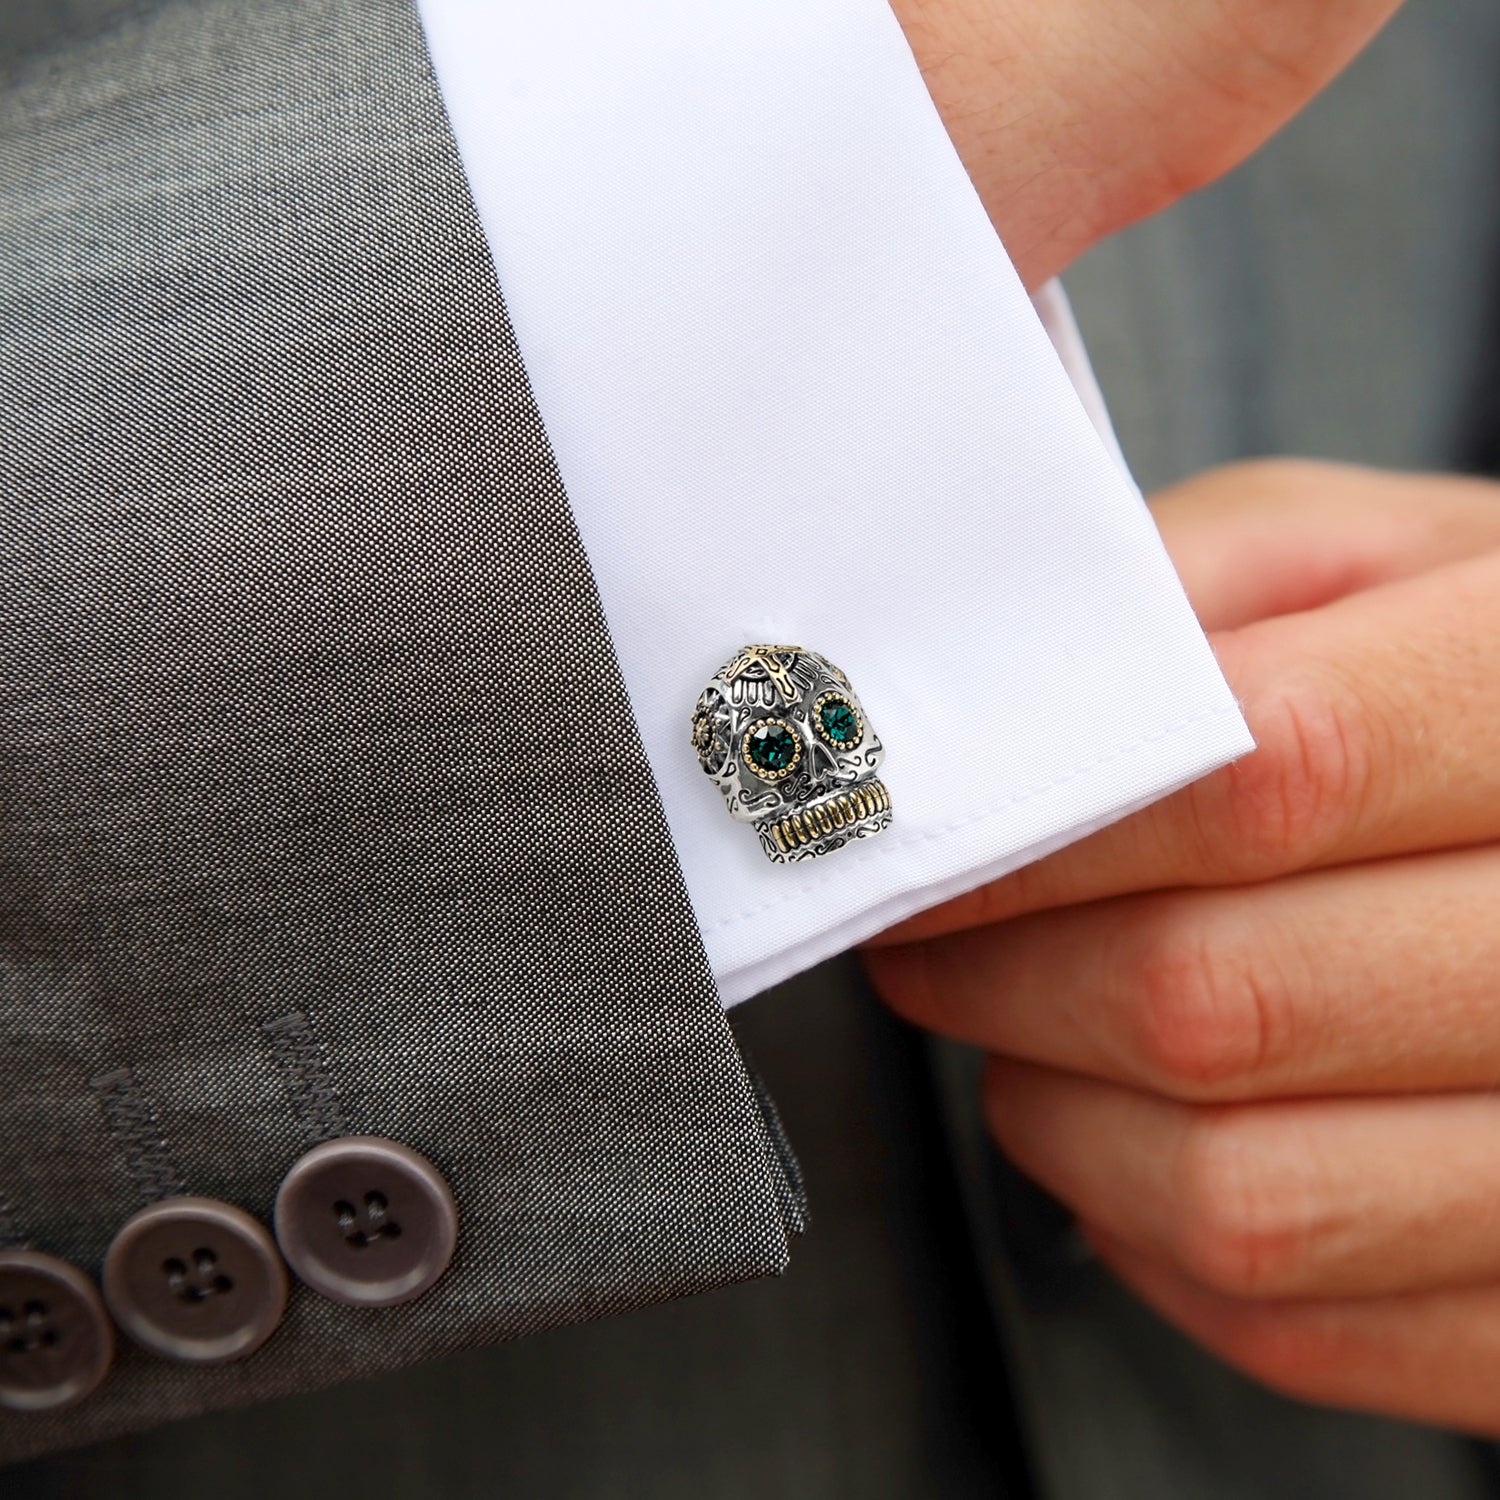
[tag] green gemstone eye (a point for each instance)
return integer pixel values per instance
(838, 722)
(772, 749)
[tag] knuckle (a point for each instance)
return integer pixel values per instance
(1239, 1231)
(1309, 784)
(1272, 477)
(1206, 1026)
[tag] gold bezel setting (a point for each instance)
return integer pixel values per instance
(755, 766)
(822, 731)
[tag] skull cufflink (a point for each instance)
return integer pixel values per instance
(782, 734)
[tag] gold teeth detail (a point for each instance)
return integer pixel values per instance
(807, 826)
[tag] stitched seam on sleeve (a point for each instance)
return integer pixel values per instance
(131, 1119)
(307, 1076)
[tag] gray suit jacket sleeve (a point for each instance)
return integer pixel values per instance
(310, 724)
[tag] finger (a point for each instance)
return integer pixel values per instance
(1280, 536)
(1376, 719)
(1364, 979)
(1429, 1357)
(1345, 1198)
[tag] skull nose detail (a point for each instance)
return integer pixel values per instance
(822, 761)
(781, 733)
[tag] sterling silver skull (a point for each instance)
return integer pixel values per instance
(782, 734)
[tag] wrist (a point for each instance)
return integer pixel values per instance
(1077, 117)
(1010, 122)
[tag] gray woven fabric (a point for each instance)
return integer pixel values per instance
(307, 709)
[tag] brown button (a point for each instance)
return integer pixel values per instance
(366, 1221)
(195, 1280)
(55, 1338)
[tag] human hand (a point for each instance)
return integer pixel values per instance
(1251, 1035)
(1077, 117)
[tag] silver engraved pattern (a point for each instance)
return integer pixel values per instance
(781, 733)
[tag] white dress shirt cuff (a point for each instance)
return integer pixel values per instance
(797, 393)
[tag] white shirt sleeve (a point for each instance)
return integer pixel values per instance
(796, 392)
